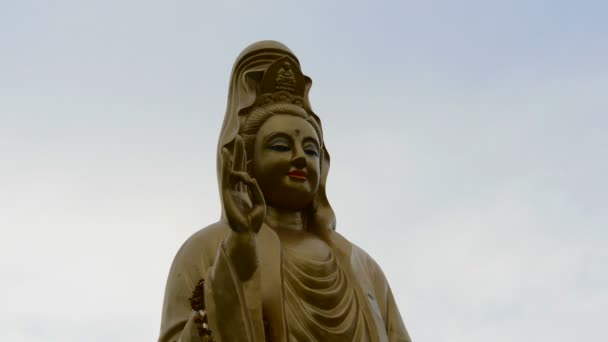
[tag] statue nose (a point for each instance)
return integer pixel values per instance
(299, 159)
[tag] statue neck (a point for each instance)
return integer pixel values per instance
(278, 218)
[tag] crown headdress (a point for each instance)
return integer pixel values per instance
(283, 82)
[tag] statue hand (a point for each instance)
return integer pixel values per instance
(245, 210)
(242, 197)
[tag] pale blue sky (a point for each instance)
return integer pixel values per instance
(470, 135)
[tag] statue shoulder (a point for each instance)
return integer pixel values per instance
(365, 268)
(201, 247)
(358, 255)
(362, 257)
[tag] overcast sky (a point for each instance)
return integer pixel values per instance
(468, 142)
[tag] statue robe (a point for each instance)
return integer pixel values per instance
(237, 310)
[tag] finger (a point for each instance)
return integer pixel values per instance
(258, 212)
(257, 197)
(243, 161)
(236, 219)
(226, 167)
(242, 176)
(238, 163)
(237, 160)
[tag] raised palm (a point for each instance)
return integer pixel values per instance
(243, 200)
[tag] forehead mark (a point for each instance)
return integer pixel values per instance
(297, 132)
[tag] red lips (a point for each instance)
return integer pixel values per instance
(297, 174)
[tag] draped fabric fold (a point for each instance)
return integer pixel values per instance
(229, 300)
(194, 261)
(320, 302)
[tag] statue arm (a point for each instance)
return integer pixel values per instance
(395, 328)
(383, 304)
(232, 306)
(393, 323)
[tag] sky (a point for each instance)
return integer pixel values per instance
(467, 138)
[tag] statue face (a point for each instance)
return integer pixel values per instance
(286, 161)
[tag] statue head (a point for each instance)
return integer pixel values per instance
(283, 148)
(268, 108)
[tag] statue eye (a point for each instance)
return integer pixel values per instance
(313, 153)
(279, 148)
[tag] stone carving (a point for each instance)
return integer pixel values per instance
(274, 268)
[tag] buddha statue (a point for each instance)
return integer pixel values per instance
(273, 268)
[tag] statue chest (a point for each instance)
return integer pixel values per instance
(306, 252)
(320, 304)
